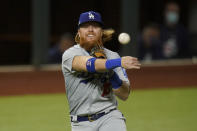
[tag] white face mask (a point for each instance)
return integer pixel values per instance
(172, 17)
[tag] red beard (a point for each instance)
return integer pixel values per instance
(88, 45)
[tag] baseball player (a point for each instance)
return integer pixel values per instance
(93, 77)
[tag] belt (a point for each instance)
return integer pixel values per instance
(90, 118)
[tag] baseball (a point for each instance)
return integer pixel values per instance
(124, 38)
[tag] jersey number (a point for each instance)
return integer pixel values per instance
(106, 89)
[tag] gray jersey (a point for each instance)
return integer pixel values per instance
(89, 93)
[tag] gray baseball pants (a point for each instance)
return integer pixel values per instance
(113, 121)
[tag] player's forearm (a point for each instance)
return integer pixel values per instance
(80, 62)
(123, 92)
(92, 64)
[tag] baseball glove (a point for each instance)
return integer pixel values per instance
(98, 52)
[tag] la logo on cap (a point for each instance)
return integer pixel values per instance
(91, 16)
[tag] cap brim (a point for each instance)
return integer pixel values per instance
(101, 24)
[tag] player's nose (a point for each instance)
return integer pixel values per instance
(90, 28)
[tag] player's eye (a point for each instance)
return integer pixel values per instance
(85, 25)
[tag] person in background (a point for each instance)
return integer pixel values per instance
(174, 37)
(149, 44)
(55, 53)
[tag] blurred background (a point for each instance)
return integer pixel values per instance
(35, 33)
(30, 27)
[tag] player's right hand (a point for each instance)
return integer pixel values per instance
(129, 62)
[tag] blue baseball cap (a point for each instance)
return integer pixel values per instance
(90, 16)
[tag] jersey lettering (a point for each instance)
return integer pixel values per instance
(103, 79)
(87, 80)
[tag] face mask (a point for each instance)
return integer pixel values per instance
(172, 17)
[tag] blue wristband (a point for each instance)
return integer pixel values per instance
(113, 63)
(116, 82)
(90, 65)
